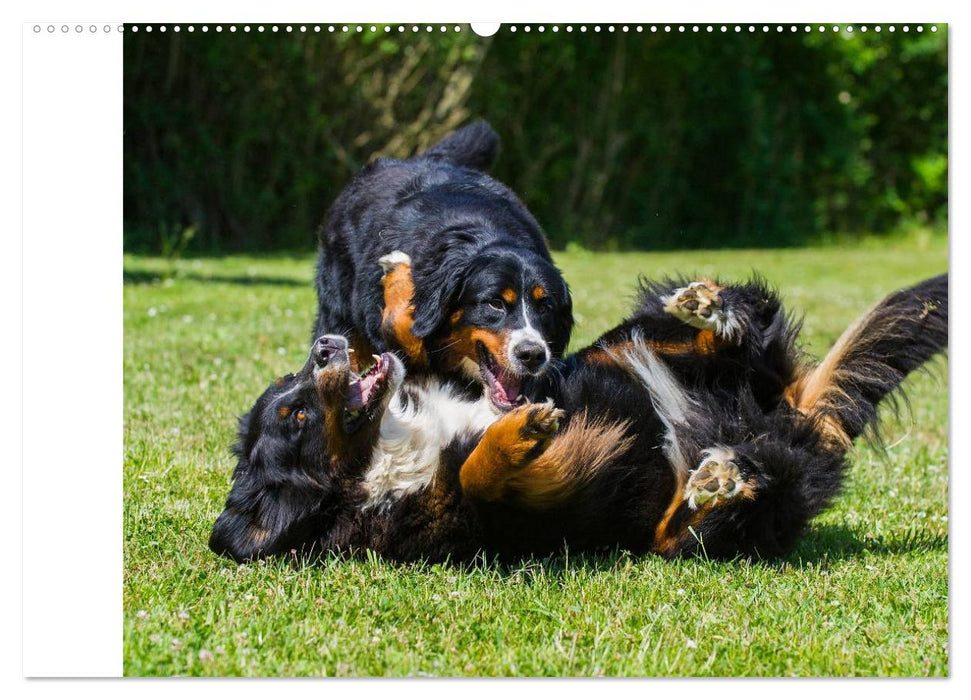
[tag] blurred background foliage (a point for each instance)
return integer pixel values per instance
(240, 141)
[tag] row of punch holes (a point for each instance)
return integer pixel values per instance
(414, 28)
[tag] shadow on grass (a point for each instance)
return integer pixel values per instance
(823, 544)
(821, 547)
(838, 543)
(146, 277)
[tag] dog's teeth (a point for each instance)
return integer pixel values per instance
(377, 358)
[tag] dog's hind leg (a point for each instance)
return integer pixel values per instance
(399, 311)
(752, 498)
(719, 480)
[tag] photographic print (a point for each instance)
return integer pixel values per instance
(546, 350)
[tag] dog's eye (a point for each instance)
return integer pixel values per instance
(301, 415)
(497, 304)
(544, 306)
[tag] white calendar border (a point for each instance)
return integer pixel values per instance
(72, 309)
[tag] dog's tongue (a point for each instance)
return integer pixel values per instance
(356, 396)
(507, 387)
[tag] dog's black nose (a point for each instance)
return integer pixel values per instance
(326, 346)
(531, 355)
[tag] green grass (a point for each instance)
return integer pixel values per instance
(866, 593)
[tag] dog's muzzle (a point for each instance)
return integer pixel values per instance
(329, 350)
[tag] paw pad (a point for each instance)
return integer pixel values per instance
(697, 304)
(717, 478)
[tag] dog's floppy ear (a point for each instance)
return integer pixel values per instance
(564, 323)
(439, 279)
(433, 299)
(263, 517)
(262, 522)
(240, 535)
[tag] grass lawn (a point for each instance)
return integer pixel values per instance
(866, 593)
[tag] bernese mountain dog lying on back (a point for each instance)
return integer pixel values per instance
(697, 424)
(489, 305)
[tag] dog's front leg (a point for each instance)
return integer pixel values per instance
(508, 446)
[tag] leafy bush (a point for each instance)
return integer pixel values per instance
(614, 140)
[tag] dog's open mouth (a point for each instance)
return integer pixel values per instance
(505, 388)
(364, 393)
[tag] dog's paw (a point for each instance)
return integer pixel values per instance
(716, 478)
(702, 306)
(393, 259)
(698, 305)
(527, 430)
(541, 420)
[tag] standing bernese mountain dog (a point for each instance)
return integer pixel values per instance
(489, 305)
(697, 424)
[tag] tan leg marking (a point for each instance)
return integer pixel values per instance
(812, 394)
(576, 456)
(508, 445)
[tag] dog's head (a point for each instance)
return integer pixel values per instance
(499, 315)
(299, 450)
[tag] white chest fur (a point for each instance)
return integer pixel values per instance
(413, 434)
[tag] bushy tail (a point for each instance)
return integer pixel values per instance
(474, 146)
(871, 359)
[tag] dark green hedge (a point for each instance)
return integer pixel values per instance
(613, 139)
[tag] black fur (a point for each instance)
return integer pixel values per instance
(475, 146)
(281, 483)
(469, 238)
(750, 398)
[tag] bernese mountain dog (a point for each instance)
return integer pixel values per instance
(489, 304)
(695, 425)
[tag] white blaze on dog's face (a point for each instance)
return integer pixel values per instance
(527, 349)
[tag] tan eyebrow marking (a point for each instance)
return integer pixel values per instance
(539, 292)
(283, 412)
(509, 296)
